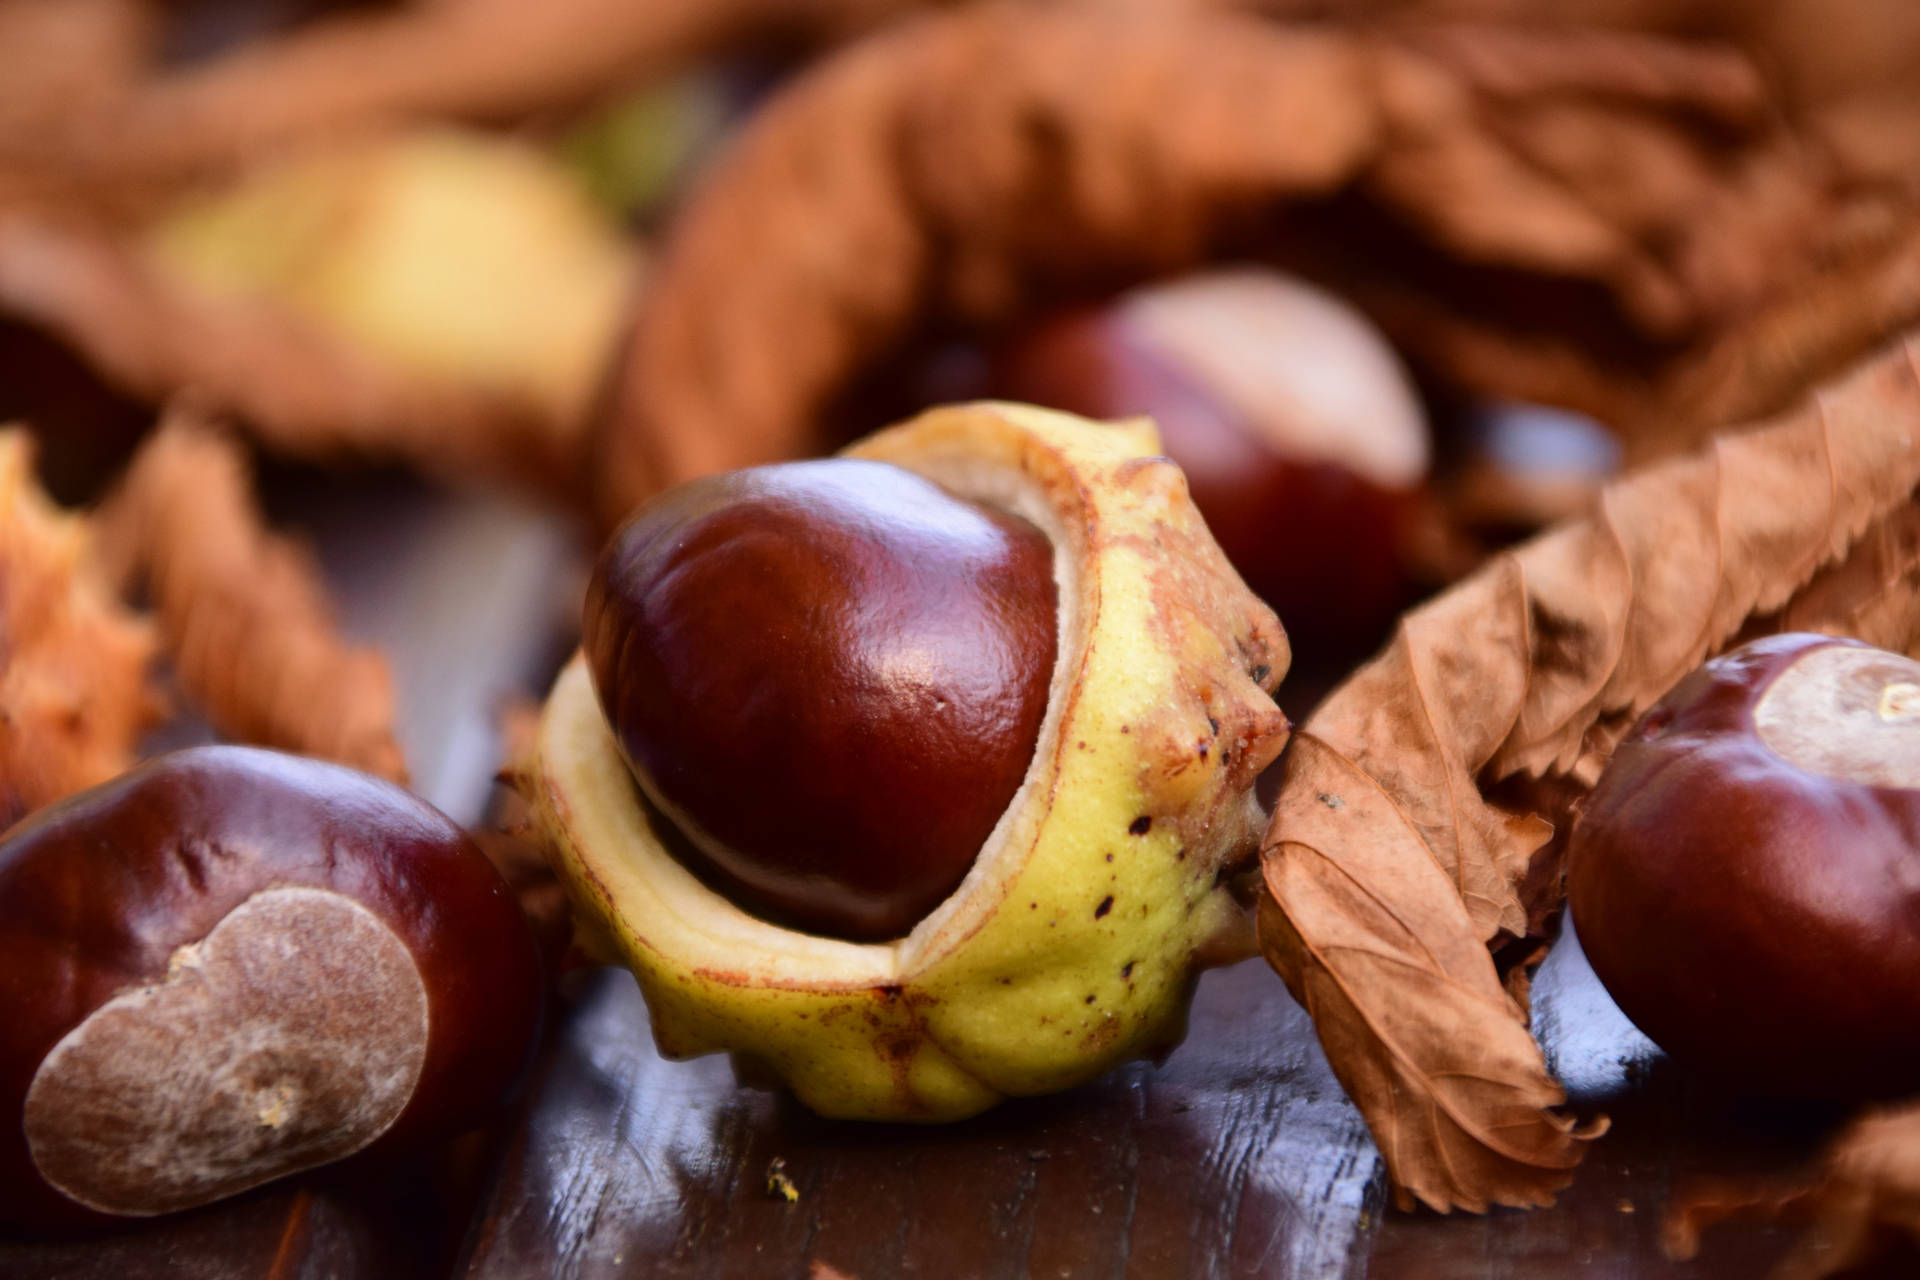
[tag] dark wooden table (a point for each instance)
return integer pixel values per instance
(1238, 1156)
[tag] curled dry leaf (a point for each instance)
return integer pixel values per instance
(1388, 869)
(1861, 1203)
(243, 613)
(1374, 941)
(75, 691)
(1468, 185)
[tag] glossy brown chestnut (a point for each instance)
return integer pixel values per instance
(1301, 436)
(1746, 876)
(830, 675)
(229, 965)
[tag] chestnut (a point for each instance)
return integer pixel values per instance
(1301, 436)
(228, 965)
(801, 662)
(1745, 877)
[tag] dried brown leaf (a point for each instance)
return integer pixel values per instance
(244, 613)
(1862, 1202)
(1537, 184)
(1574, 216)
(1535, 666)
(59, 59)
(1872, 595)
(1517, 62)
(75, 684)
(1376, 944)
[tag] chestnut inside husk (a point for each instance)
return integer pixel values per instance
(1071, 941)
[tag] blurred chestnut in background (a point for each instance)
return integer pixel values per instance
(1746, 876)
(229, 965)
(1303, 439)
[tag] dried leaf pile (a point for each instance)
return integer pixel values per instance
(90, 104)
(242, 620)
(352, 304)
(1614, 221)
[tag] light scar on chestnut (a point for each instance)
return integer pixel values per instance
(294, 1034)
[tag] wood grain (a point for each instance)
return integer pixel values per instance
(1237, 1157)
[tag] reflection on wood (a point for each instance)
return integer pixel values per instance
(1237, 1157)
(1668, 1126)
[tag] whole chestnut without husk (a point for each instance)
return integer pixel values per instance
(228, 965)
(1300, 433)
(802, 662)
(1745, 878)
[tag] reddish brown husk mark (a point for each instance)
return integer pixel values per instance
(830, 676)
(229, 965)
(1746, 875)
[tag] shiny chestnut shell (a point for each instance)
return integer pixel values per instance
(830, 676)
(1755, 916)
(114, 892)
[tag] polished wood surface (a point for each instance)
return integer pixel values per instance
(1238, 1156)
